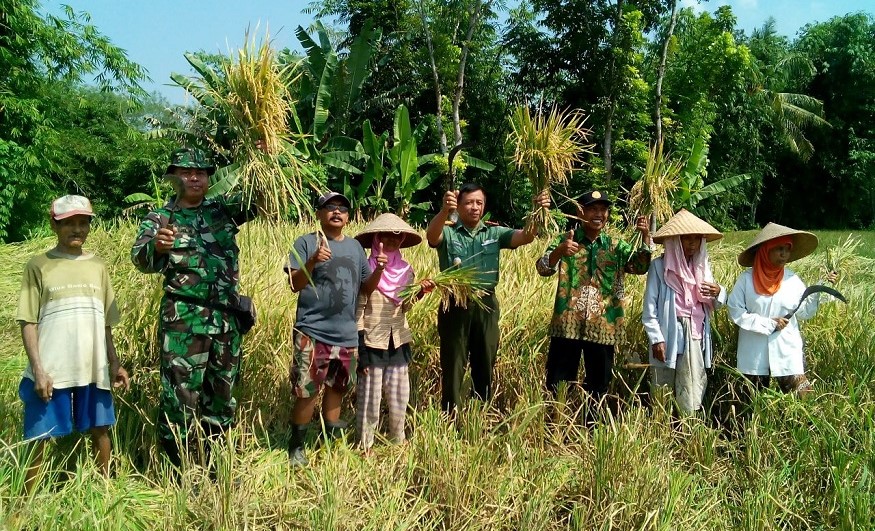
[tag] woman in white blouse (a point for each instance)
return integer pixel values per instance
(769, 344)
(679, 299)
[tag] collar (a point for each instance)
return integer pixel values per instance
(601, 238)
(459, 226)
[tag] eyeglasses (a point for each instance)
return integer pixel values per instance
(331, 207)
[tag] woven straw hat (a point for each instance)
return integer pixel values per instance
(683, 223)
(804, 243)
(389, 223)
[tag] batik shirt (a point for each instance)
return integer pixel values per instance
(589, 295)
(202, 265)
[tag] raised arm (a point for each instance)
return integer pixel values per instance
(528, 234)
(434, 234)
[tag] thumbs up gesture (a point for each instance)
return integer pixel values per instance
(323, 252)
(381, 257)
(569, 247)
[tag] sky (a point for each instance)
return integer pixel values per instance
(156, 33)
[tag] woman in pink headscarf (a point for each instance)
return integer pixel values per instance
(679, 299)
(384, 335)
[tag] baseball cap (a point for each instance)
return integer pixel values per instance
(71, 205)
(329, 196)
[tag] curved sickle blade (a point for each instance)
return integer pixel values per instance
(817, 288)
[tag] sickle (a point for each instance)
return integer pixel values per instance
(817, 288)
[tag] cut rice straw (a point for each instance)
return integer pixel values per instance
(257, 103)
(462, 285)
(546, 148)
(651, 195)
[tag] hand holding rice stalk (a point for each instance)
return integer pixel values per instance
(460, 284)
(546, 147)
(256, 101)
(650, 196)
(844, 257)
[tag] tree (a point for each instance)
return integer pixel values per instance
(42, 62)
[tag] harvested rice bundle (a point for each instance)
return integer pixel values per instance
(459, 284)
(651, 195)
(546, 147)
(256, 101)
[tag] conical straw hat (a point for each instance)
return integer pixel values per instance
(683, 223)
(804, 243)
(389, 223)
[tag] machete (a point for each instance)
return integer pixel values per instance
(817, 288)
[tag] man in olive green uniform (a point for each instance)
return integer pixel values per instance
(472, 332)
(191, 241)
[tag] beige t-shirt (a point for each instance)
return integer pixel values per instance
(71, 301)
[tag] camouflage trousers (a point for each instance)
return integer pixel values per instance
(198, 373)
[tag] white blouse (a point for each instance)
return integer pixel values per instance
(762, 350)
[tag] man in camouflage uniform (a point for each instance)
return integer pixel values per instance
(191, 241)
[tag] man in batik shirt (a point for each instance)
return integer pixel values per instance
(588, 313)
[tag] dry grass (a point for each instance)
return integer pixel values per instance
(797, 465)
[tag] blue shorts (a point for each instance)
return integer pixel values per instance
(87, 407)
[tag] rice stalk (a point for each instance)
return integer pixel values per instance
(460, 284)
(845, 258)
(651, 195)
(546, 147)
(256, 101)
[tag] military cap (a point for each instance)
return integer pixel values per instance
(190, 158)
(594, 196)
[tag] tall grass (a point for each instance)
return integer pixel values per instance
(797, 464)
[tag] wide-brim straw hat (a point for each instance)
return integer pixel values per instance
(389, 223)
(684, 223)
(804, 243)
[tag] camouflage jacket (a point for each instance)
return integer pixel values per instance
(203, 263)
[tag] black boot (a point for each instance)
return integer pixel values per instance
(335, 430)
(213, 437)
(171, 449)
(297, 457)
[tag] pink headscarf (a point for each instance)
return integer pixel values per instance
(684, 278)
(397, 274)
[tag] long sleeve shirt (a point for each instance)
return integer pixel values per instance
(763, 350)
(589, 294)
(202, 265)
(660, 319)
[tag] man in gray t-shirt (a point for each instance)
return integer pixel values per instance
(328, 270)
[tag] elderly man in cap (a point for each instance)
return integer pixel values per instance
(66, 308)
(589, 311)
(328, 270)
(191, 242)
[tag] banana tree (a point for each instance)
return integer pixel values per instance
(691, 189)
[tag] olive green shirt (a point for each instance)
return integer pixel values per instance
(479, 247)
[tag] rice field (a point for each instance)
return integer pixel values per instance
(793, 464)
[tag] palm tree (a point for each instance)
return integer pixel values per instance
(791, 113)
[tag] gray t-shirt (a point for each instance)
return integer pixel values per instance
(326, 306)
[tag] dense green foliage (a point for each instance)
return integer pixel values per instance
(56, 135)
(773, 129)
(800, 464)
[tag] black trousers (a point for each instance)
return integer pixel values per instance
(563, 363)
(468, 334)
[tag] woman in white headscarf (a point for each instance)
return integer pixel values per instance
(679, 299)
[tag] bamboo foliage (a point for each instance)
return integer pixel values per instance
(256, 101)
(546, 147)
